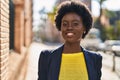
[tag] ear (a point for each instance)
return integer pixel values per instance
(84, 32)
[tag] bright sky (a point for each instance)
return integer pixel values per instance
(109, 4)
(39, 4)
(48, 4)
(112, 4)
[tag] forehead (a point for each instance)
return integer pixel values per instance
(71, 16)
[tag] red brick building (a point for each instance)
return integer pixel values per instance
(4, 39)
(15, 37)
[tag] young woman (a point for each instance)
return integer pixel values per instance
(70, 61)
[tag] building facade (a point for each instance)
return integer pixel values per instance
(4, 39)
(15, 37)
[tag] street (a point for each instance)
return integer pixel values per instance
(34, 52)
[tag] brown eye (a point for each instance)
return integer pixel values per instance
(64, 24)
(75, 24)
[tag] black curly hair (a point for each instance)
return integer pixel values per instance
(77, 7)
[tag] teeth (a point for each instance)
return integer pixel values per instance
(69, 34)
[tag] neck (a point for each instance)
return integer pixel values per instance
(72, 47)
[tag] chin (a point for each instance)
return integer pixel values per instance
(70, 41)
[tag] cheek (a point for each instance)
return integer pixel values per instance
(63, 29)
(62, 33)
(79, 34)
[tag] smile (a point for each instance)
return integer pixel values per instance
(70, 34)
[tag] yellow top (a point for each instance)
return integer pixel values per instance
(73, 67)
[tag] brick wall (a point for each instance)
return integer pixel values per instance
(22, 39)
(11, 65)
(4, 39)
(28, 22)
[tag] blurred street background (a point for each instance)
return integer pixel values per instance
(103, 38)
(27, 27)
(35, 49)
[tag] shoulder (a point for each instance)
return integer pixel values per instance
(45, 52)
(93, 54)
(51, 52)
(95, 57)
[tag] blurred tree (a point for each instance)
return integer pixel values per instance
(109, 32)
(109, 14)
(100, 3)
(112, 32)
(98, 23)
(115, 18)
(117, 30)
(51, 15)
(55, 32)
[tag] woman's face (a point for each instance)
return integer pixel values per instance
(72, 27)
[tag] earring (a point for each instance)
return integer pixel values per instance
(84, 32)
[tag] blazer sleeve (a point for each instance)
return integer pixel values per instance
(42, 66)
(99, 66)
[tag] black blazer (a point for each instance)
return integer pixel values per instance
(49, 64)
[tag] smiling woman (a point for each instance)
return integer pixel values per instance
(71, 61)
(72, 27)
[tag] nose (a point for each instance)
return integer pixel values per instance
(70, 26)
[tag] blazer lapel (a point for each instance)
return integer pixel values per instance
(89, 64)
(55, 62)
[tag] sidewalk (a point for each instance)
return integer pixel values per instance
(35, 50)
(107, 74)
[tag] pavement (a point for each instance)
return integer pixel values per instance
(34, 52)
